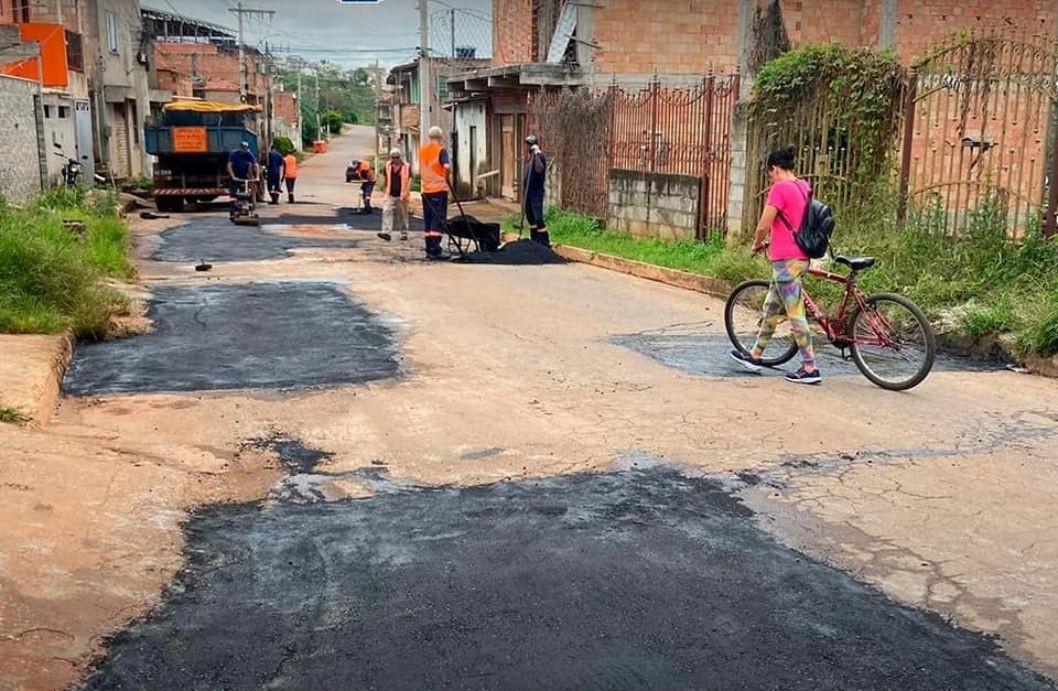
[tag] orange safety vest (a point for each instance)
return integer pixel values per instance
(434, 176)
(290, 167)
(366, 173)
(405, 180)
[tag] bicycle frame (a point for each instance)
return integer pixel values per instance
(836, 327)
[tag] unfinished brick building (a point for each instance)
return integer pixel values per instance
(541, 45)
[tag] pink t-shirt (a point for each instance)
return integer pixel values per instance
(791, 198)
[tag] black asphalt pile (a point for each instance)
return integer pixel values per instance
(257, 336)
(518, 253)
(644, 579)
(708, 355)
(221, 241)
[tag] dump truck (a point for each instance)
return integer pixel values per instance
(192, 143)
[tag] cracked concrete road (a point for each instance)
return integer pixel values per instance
(941, 499)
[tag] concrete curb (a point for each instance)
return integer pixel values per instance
(651, 272)
(31, 381)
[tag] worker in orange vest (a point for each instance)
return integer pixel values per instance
(435, 165)
(290, 174)
(396, 191)
(367, 176)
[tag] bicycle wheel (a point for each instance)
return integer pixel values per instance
(893, 343)
(743, 315)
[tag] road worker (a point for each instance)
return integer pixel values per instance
(396, 192)
(242, 168)
(367, 176)
(435, 166)
(534, 179)
(290, 174)
(275, 173)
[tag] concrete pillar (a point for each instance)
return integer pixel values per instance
(739, 125)
(887, 24)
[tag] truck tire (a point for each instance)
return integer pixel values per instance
(169, 204)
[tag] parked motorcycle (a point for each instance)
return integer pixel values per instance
(73, 169)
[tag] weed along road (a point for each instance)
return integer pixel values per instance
(328, 464)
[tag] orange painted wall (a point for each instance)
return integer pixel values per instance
(52, 39)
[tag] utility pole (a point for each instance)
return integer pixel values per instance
(319, 131)
(301, 113)
(425, 85)
(378, 111)
(452, 26)
(239, 11)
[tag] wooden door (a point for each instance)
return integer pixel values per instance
(509, 161)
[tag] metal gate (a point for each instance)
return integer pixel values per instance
(981, 130)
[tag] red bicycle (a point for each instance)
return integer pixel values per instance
(887, 335)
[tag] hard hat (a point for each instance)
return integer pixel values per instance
(532, 140)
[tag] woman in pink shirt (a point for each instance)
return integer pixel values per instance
(782, 216)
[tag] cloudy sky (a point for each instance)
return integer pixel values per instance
(351, 34)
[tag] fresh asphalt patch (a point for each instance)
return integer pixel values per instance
(638, 579)
(254, 336)
(215, 240)
(708, 355)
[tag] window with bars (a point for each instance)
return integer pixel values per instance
(74, 51)
(20, 10)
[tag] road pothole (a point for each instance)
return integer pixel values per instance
(639, 579)
(256, 336)
(215, 240)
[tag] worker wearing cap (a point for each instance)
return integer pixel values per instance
(242, 166)
(435, 165)
(275, 173)
(534, 181)
(396, 193)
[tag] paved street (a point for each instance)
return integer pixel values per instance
(330, 464)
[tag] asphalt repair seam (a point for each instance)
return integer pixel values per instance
(218, 241)
(686, 347)
(284, 335)
(644, 578)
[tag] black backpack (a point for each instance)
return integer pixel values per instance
(816, 227)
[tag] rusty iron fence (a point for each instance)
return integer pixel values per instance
(657, 129)
(976, 136)
(680, 131)
(981, 129)
(574, 127)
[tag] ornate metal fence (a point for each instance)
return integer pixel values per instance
(981, 128)
(656, 129)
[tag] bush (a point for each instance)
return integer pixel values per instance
(284, 145)
(51, 279)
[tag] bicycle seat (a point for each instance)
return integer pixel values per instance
(856, 263)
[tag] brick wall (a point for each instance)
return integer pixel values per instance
(512, 40)
(220, 69)
(687, 39)
(285, 106)
(48, 11)
(175, 82)
(20, 174)
(645, 204)
(822, 21)
(921, 24)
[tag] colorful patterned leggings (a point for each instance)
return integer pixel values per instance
(785, 297)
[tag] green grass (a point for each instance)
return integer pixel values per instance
(989, 286)
(12, 416)
(706, 259)
(52, 279)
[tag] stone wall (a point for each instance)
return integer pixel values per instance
(653, 204)
(20, 175)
